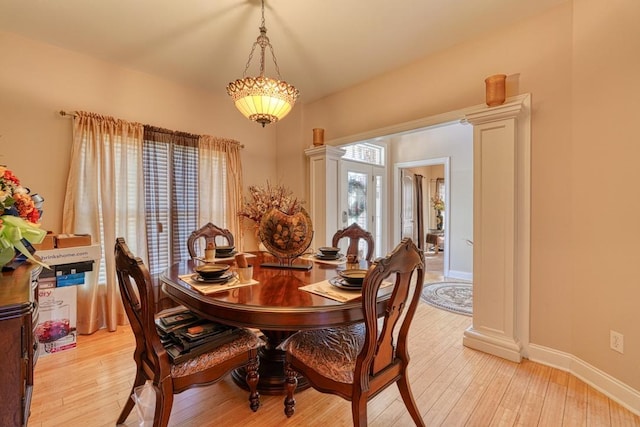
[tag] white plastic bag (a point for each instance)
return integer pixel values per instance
(145, 398)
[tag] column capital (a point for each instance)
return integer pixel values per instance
(509, 110)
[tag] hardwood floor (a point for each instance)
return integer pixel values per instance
(453, 386)
(434, 262)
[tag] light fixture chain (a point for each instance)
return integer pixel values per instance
(275, 61)
(246, 67)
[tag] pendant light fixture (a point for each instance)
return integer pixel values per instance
(262, 99)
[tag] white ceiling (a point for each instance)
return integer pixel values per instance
(322, 46)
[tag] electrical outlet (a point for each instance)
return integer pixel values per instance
(616, 341)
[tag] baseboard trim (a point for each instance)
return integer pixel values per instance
(600, 380)
(497, 345)
(461, 275)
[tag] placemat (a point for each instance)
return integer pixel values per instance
(206, 289)
(311, 257)
(327, 290)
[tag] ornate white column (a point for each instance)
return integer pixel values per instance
(324, 167)
(501, 198)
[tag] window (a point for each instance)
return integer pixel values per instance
(365, 152)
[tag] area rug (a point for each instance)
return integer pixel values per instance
(451, 296)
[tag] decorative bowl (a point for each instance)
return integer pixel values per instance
(353, 276)
(211, 271)
(224, 249)
(329, 250)
(286, 235)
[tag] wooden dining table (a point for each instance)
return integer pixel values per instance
(275, 305)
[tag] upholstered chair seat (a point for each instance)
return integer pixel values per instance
(244, 342)
(331, 352)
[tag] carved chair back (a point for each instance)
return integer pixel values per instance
(354, 233)
(209, 232)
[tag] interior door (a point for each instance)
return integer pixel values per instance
(361, 200)
(407, 220)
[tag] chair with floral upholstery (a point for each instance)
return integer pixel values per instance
(354, 233)
(358, 361)
(152, 360)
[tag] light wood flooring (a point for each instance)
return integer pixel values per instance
(434, 262)
(453, 386)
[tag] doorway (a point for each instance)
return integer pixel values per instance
(443, 156)
(423, 210)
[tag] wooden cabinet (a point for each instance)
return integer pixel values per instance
(18, 318)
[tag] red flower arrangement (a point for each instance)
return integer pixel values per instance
(19, 220)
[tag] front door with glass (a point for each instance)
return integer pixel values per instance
(362, 193)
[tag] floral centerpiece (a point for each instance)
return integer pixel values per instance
(437, 203)
(263, 199)
(18, 220)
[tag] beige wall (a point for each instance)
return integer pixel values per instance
(38, 80)
(579, 61)
(582, 70)
(604, 184)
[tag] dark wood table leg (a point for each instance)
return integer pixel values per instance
(272, 379)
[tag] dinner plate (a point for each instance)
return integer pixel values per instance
(222, 279)
(339, 282)
(226, 255)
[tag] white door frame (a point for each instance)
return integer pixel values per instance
(397, 202)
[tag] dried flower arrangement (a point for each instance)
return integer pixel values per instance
(263, 199)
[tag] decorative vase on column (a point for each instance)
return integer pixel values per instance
(439, 220)
(318, 136)
(495, 89)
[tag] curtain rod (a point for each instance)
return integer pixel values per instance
(66, 113)
(73, 114)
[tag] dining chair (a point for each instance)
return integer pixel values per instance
(153, 362)
(208, 232)
(358, 361)
(354, 233)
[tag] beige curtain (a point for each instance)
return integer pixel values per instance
(105, 198)
(220, 174)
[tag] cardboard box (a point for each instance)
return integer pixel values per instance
(46, 282)
(49, 242)
(73, 268)
(56, 328)
(70, 255)
(47, 273)
(70, 280)
(72, 240)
